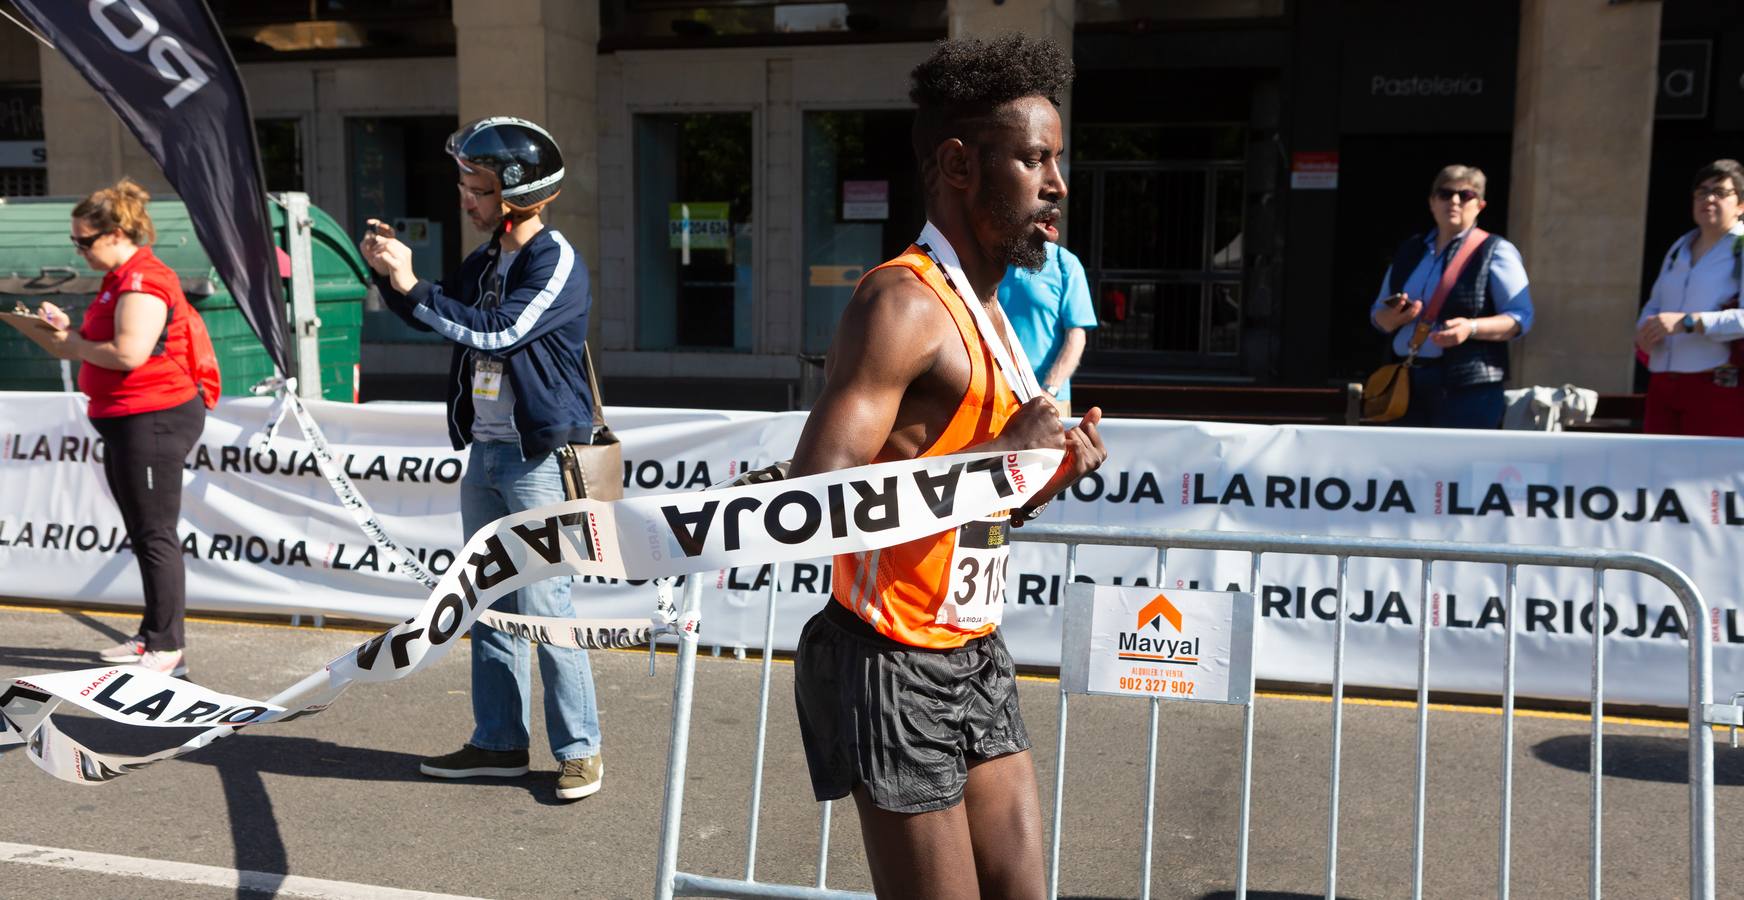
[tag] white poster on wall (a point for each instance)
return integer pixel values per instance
(866, 200)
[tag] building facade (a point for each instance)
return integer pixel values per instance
(1240, 170)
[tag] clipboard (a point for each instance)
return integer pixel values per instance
(28, 322)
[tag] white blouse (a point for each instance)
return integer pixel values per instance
(1699, 288)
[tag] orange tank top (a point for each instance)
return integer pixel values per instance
(944, 590)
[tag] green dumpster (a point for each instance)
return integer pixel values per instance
(38, 262)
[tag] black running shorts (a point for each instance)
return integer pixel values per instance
(903, 721)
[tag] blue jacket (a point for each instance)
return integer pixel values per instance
(537, 328)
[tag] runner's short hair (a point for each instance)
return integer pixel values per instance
(958, 89)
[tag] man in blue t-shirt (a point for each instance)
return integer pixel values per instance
(1050, 311)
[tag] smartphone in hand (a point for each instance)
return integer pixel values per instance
(378, 228)
(1397, 301)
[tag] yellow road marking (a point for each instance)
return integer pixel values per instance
(1046, 679)
(210, 620)
(1483, 710)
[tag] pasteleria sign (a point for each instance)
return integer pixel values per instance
(1173, 645)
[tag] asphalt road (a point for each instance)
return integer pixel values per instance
(337, 799)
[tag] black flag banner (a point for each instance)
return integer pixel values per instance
(164, 67)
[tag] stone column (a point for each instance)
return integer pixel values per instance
(88, 147)
(1583, 135)
(538, 59)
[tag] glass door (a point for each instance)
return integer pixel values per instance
(862, 206)
(1161, 244)
(694, 232)
(395, 171)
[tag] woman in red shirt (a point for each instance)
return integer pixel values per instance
(144, 403)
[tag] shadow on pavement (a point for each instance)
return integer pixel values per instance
(1661, 759)
(1268, 895)
(20, 661)
(26, 660)
(115, 635)
(242, 763)
(263, 753)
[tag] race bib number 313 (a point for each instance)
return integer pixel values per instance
(979, 564)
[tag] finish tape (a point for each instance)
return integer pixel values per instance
(847, 511)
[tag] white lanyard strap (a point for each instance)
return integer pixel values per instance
(1018, 372)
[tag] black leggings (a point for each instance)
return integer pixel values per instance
(143, 458)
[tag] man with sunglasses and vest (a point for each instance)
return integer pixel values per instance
(906, 693)
(1454, 297)
(516, 312)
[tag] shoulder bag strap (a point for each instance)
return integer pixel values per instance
(593, 385)
(1449, 275)
(1738, 264)
(1735, 349)
(1676, 248)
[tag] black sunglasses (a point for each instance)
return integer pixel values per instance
(1466, 195)
(86, 242)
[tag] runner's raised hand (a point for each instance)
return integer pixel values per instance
(1035, 426)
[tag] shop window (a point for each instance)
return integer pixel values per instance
(23, 182)
(1148, 142)
(694, 232)
(1096, 12)
(1157, 219)
(641, 23)
(862, 206)
(281, 153)
(1162, 246)
(268, 30)
(23, 153)
(398, 173)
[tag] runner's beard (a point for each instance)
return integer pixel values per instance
(1024, 245)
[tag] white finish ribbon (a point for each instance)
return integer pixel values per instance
(847, 511)
(1015, 365)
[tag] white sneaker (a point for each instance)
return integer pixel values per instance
(127, 651)
(168, 662)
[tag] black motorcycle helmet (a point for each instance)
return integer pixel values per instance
(522, 156)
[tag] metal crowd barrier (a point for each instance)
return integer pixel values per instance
(1702, 711)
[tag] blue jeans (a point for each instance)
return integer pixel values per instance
(499, 482)
(1434, 404)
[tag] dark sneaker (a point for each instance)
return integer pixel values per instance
(471, 762)
(580, 778)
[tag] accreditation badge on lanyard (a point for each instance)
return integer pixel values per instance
(487, 378)
(980, 551)
(487, 371)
